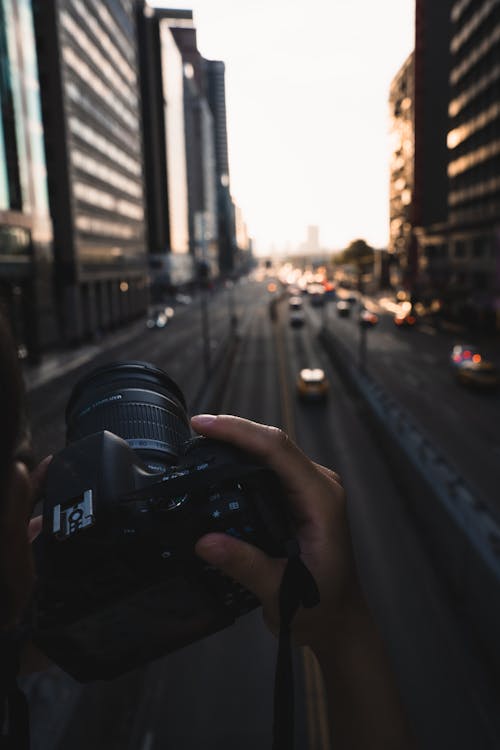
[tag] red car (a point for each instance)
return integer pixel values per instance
(405, 320)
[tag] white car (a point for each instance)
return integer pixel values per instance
(295, 303)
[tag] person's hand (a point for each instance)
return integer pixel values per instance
(317, 506)
(363, 697)
(37, 479)
(18, 532)
(32, 659)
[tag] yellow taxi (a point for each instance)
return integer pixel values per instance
(312, 384)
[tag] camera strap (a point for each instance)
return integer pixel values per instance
(14, 714)
(297, 588)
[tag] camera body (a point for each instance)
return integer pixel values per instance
(119, 582)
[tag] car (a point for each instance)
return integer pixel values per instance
(472, 369)
(297, 319)
(317, 298)
(367, 318)
(158, 316)
(295, 303)
(343, 309)
(330, 291)
(406, 319)
(312, 384)
(183, 299)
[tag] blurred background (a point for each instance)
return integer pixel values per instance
(295, 211)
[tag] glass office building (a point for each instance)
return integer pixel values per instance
(90, 93)
(25, 226)
(173, 103)
(200, 137)
(474, 154)
(461, 256)
(166, 147)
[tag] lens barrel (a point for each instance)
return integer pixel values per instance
(138, 402)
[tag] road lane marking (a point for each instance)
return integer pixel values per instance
(312, 723)
(286, 409)
(316, 710)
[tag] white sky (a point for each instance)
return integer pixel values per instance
(307, 91)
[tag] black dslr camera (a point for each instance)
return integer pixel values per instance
(125, 502)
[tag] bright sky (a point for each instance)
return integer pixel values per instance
(307, 92)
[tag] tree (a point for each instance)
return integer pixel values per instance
(360, 255)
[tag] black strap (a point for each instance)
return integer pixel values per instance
(14, 713)
(298, 587)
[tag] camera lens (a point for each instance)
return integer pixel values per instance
(136, 401)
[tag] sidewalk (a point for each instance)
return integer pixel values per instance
(57, 364)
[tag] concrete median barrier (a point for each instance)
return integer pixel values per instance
(460, 530)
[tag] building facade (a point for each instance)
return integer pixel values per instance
(419, 115)
(201, 146)
(162, 94)
(88, 64)
(402, 171)
(25, 227)
(472, 239)
(452, 244)
(179, 148)
(216, 93)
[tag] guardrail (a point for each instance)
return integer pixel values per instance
(463, 533)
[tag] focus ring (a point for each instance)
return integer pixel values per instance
(132, 421)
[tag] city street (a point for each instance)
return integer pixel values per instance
(218, 693)
(413, 365)
(301, 229)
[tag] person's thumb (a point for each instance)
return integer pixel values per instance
(243, 562)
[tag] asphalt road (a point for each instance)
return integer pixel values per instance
(413, 366)
(218, 692)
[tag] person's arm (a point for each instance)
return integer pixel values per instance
(16, 561)
(364, 704)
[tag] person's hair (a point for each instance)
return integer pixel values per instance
(11, 404)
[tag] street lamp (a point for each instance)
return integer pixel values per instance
(202, 275)
(366, 320)
(233, 317)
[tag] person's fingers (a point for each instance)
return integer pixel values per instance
(34, 528)
(243, 562)
(38, 476)
(329, 473)
(20, 489)
(273, 447)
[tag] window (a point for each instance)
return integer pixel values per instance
(480, 247)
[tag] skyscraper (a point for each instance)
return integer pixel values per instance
(402, 168)
(460, 255)
(25, 226)
(418, 111)
(179, 143)
(312, 239)
(162, 82)
(474, 155)
(200, 141)
(90, 95)
(216, 93)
